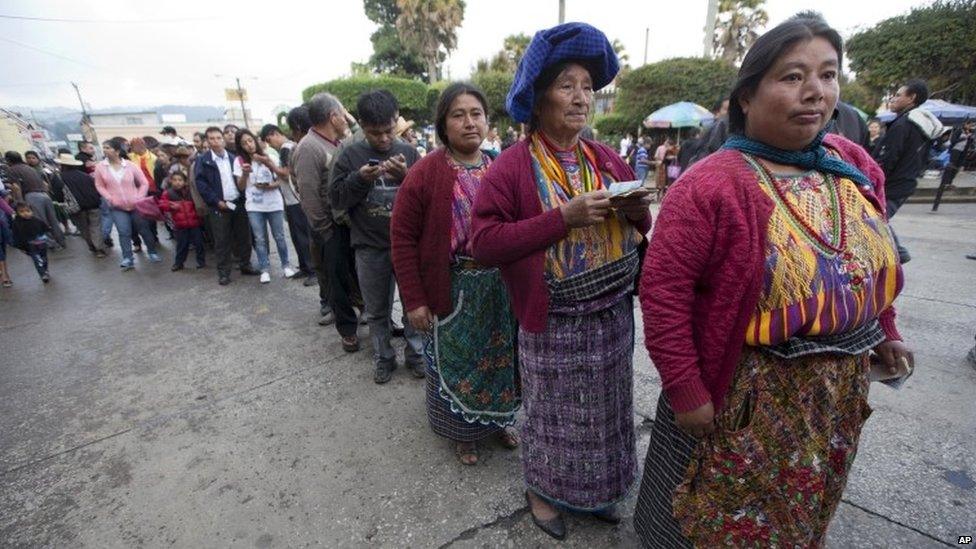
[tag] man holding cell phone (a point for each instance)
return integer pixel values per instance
(365, 179)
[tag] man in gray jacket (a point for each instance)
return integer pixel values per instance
(332, 257)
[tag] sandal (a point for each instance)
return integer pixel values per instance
(467, 452)
(508, 438)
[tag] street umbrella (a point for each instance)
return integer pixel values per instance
(948, 113)
(683, 114)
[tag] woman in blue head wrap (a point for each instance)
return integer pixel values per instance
(568, 256)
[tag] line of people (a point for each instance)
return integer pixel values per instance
(767, 287)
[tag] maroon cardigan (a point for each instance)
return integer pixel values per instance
(512, 232)
(704, 268)
(420, 234)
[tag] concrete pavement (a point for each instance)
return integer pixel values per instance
(159, 409)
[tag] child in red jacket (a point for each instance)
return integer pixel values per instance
(177, 203)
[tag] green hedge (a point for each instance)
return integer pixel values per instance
(495, 84)
(648, 88)
(418, 100)
(433, 94)
(614, 124)
(411, 94)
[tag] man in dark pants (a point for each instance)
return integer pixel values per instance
(215, 182)
(902, 151)
(365, 179)
(297, 221)
(962, 143)
(331, 252)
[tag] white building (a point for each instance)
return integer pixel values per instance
(142, 123)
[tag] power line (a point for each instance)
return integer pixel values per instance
(51, 53)
(122, 21)
(32, 84)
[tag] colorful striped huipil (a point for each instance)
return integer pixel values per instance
(585, 248)
(809, 290)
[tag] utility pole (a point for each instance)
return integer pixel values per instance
(562, 11)
(647, 38)
(240, 95)
(85, 119)
(710, 15)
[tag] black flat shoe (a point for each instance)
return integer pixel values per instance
(554, 527)
(610, 515)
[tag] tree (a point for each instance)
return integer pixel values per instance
(411, 94)
(736, 28)
(495, 84)
(429, 29)
(856, 93)
(622, 56)
(646, 89)
(506, 60)
(389, 54)
(935, 43)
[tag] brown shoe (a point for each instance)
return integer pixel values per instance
(350, 344)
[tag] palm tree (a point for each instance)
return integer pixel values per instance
(427, 26)
(622, 56)
(736, 28)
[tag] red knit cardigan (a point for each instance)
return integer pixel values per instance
(512, 232)
(703, 272)
(420, 234)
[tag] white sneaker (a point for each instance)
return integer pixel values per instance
(289, 272)
(265, 277)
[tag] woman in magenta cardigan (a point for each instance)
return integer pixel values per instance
(768, 281)
(472, 387)
(568, 256)
(121, 183)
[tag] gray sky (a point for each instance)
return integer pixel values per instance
(169, 51)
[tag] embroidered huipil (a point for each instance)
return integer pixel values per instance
(585, 248)
(466, 188)
(809, 289)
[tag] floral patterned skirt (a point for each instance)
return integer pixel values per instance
(472, 353)
(774, 470)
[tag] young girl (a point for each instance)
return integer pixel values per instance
(255, 173)
(177, 203)
(30, 235)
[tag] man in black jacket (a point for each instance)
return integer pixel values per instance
(902, 150)
(88, 218)
(962, 142)
(365, 180)
(232, 232)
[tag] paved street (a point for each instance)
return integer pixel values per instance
(153, 409)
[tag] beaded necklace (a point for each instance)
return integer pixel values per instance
(848, 263)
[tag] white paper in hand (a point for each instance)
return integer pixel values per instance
(894, 380)
(622, 187)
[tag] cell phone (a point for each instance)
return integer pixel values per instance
(372, 162)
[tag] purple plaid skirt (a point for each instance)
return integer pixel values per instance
(578, 442)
